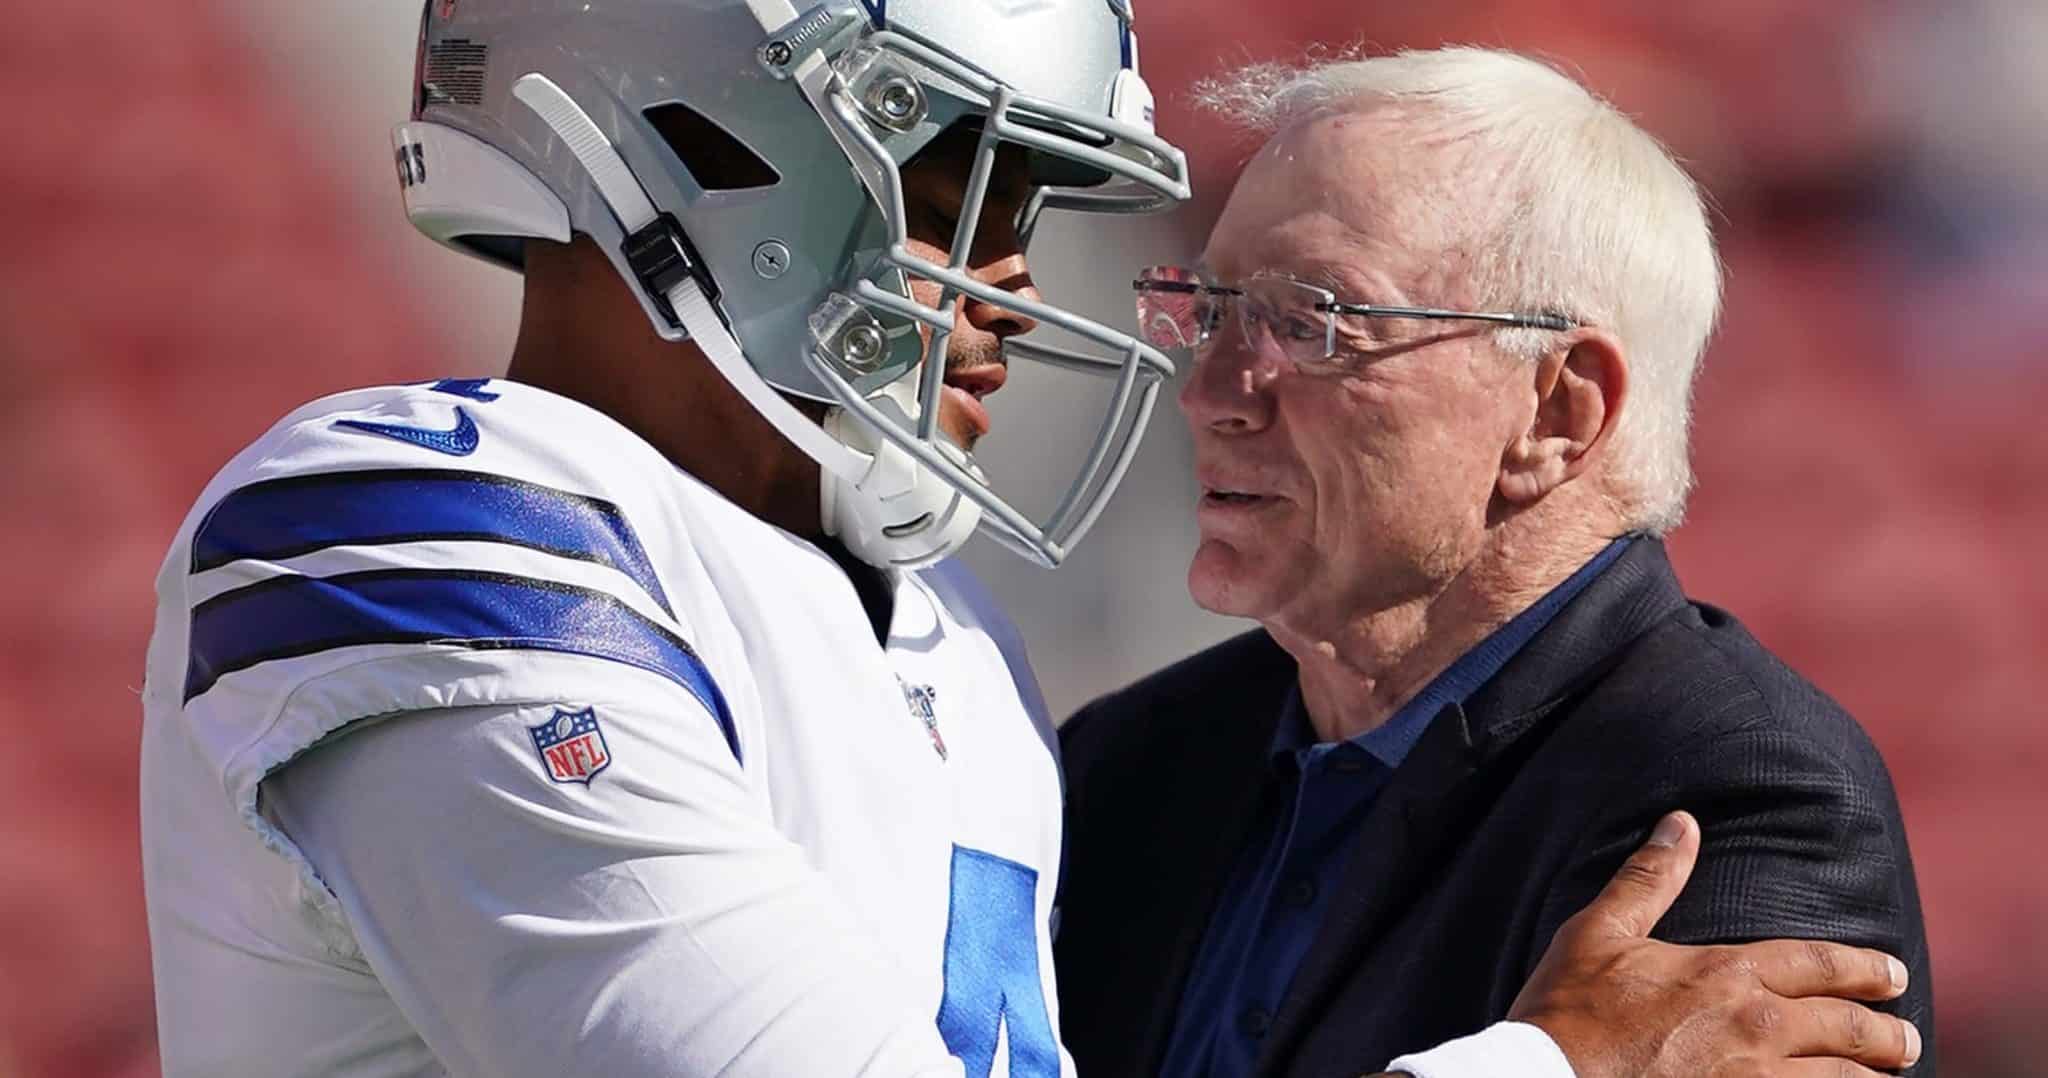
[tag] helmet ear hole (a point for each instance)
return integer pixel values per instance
(715, 159)
(506, 251)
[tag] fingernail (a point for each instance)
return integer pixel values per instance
(1898, 971)
(1912, 1044)
(1669, 830)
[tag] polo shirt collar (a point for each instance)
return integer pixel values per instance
(1296, 748)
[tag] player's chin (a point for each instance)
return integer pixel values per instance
(964, 423)
(965, 441)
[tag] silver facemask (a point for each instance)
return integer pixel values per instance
(540, 123)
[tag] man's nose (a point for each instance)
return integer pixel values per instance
(1229, 386)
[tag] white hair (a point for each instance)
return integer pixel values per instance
(1595, 220)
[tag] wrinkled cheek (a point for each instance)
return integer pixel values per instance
(1343, 443)
(1347, 489)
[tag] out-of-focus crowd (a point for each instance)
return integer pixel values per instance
(181, 266)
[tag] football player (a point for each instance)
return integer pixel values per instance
(621, 716)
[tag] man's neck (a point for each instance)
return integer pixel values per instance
(1357, 668)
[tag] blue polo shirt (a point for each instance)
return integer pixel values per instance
(1267, 915)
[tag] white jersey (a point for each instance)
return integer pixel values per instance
(480, 740)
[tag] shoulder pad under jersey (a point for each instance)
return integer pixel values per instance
(409, 547)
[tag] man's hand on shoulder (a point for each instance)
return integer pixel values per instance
(1622, 1005)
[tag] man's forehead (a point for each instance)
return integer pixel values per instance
(1352, 265)
(1364, 163)
(1356, 198)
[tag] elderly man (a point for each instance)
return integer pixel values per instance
(1444, 339)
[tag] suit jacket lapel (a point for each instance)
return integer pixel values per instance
(1412, 825)
(1436, 796)
(1222, 774)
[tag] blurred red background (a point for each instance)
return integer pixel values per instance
(180, 269)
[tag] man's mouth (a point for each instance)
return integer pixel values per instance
(1235, 500)
(1231, 497)
(1228, 494)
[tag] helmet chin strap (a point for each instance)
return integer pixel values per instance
(900, 514)
(889, 510)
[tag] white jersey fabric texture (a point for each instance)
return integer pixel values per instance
(480, 740)
(1501, 1050)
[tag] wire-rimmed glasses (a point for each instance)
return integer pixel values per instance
(1177, 308)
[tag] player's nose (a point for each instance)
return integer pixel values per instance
(1011, 275)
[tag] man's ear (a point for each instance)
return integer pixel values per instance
(1579, 390)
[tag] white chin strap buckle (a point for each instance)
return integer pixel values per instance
(898, 514)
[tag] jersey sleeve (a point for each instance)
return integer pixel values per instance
(413, 548)
(1502, 1050)
(440, 646)
(634, 915)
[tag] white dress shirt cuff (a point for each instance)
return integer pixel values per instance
(1504, 1050)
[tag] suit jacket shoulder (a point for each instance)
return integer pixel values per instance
(1695, 713)
(1509, 815)
(1802, 831)
(1697, 675)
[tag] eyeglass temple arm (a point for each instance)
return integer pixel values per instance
(1186, 288)
(1535, 321)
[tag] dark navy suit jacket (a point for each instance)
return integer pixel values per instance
(1509, 815)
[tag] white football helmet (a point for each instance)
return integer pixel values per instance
(739, 160)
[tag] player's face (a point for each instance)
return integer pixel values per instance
(934, 186)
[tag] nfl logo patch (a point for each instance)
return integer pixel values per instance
(921, 699)
(571, 746)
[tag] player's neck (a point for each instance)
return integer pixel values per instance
(583, 336)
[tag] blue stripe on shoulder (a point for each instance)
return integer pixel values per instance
(293, 616)
(284, 518)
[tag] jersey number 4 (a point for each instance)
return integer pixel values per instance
(992, 977)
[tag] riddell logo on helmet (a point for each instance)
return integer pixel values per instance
(879, 9)
(446, 10)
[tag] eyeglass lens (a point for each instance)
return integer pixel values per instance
(1285, 314)
(1177, 309)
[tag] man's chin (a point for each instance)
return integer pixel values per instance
(1222, 580)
